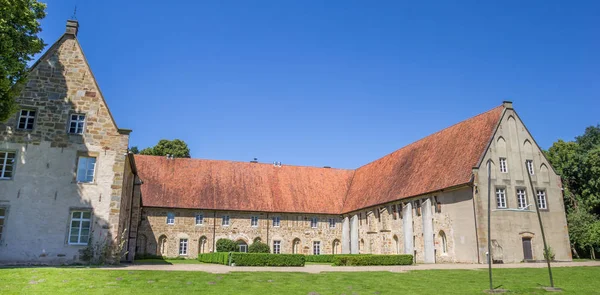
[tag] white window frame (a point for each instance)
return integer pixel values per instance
(87, 161)
(254, 221)
(521, 198)
(79, 120)
(5, 162)
(276, 247)
(501, 198)
(3, 213)
(225, 220)
(331, 222)
(80, 220)
(541, 198)
(276, 221)
(27, 116)
(199, 219)
(503, 165)
(170, 218)
(183, 247)
(314, 222)
(316, 247)
(530, 167)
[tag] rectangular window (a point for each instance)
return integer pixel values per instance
(276, 221)
(254, 221)
(2, 217)
(199, 219)
(79, 231)
(170, 218)
(500, 198)
(316, 248)
(26, 119)
(7, 164)
(503, 166)
(521, 198)
(183, 246)
(314, 222)
(331, 222)
(86, 166)
(395, 211)
(530, 166)
(76, 123)
(225, 220)
(276, 247)
(541, 198)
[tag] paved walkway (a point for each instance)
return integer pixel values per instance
(318, 268)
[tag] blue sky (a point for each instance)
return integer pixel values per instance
(338, 83)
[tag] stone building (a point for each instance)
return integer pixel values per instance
(66, 180)
(68, 184)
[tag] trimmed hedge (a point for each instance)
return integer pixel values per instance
(372, 260)
(218, 258)
(266, 259)
(259, 247)
(320, 258)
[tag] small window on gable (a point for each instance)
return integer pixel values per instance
(86, 167)
(199, 219)
(26, 119)
(170, 218)
(530, 167)
(503, 165)
(541, 198)
(7, 164)
(76, 123)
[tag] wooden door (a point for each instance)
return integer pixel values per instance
(527, 253)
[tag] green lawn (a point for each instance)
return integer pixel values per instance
(167, 261)
(69, 280)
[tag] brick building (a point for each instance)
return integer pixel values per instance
(67, 183)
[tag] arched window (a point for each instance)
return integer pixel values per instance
(444, 242)
(162, 246)
(296, 246)
(336, 247)
(242, 246)
(397, 244)
(202, 245)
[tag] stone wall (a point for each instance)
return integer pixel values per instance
(44, 190)
(293, 227)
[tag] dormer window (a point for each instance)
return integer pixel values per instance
(76, 123)
(26, 119)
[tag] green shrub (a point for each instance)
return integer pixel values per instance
(259, 247)
(373, 260)
(226, 245)
(266, 259)
(218, 258)
(320, 258)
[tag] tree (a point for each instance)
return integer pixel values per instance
(178, 148)
(134, 150)
(259, 247)
(226, 245)
(19, 26)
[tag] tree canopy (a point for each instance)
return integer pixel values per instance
(19, 26)
(578, 163)
(177, 148)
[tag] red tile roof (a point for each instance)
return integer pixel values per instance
(441, 160)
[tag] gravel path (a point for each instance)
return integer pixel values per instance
(318, 268)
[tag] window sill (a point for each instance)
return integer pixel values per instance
(78, 245)
(513, 210)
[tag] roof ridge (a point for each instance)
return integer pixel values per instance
(432, 134)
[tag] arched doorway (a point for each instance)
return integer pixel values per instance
(296, 246)
(202, 245)
(141, 245)
(396, 244)
(162, 246)
(242, 246)
(336, 247)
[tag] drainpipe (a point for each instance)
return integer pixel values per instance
(267, 241)
(214, 231)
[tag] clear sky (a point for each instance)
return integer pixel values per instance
(337, 83)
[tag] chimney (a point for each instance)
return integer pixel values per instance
(72, 27)
(507, 104)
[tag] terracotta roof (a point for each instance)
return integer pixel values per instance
(441, 160)
(228, 185)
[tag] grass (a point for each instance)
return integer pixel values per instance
(69, 280)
